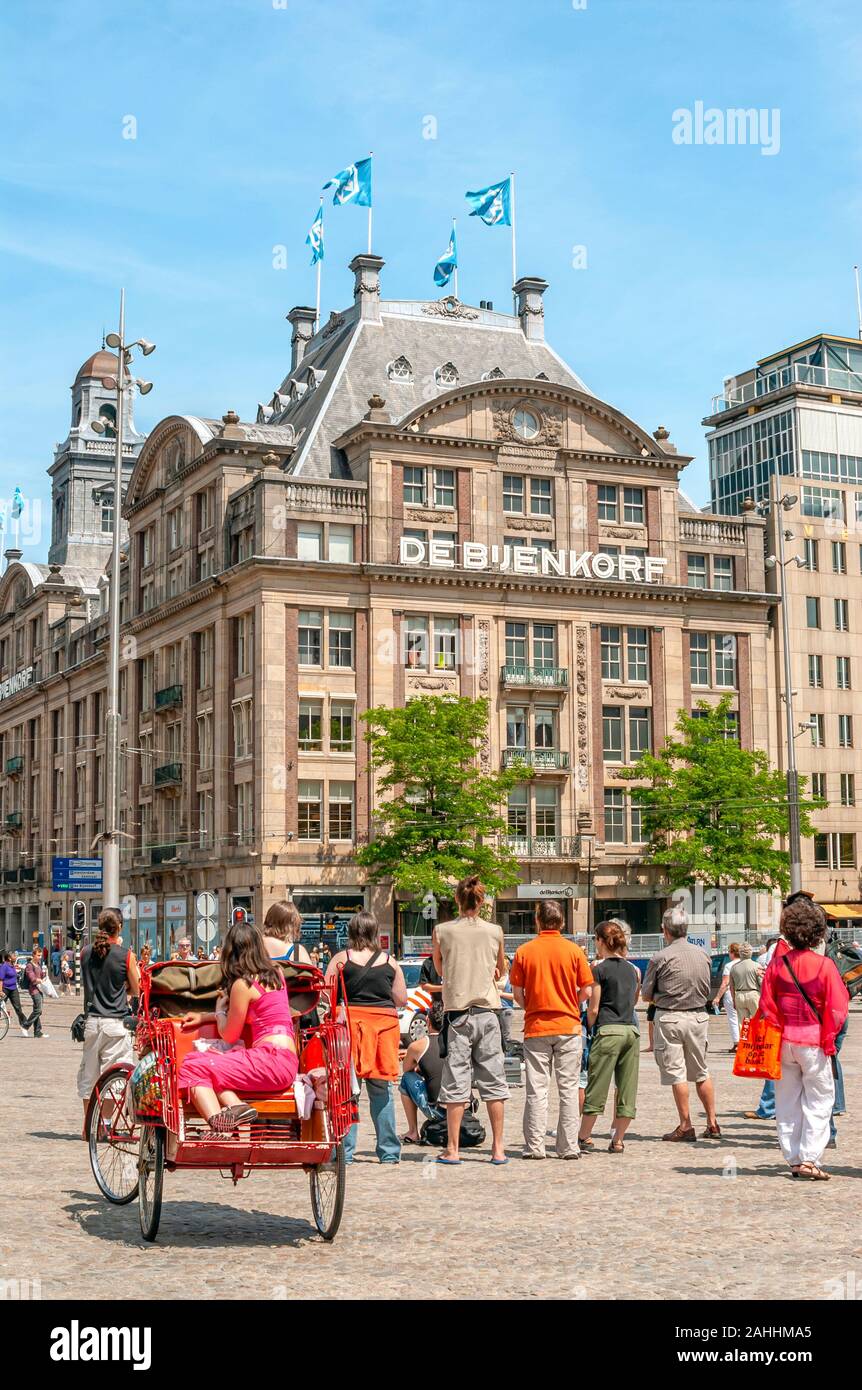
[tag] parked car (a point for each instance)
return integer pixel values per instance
(413, 1016)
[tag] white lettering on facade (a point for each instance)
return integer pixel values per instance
(527, 560)
(13, 684)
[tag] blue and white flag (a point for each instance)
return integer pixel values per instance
(17, 502)
(493, 204)
(315, 237)
(448, 262)
(353, 184)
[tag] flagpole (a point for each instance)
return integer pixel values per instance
(319, 259)
(370, 207)
(456, 264)
(514, 254)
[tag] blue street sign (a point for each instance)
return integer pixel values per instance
(76, 875)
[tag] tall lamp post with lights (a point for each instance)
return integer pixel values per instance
(778, 503)
(123, 382)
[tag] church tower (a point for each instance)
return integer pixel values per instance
(82, 474)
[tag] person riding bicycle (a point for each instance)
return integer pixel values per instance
(9, 987)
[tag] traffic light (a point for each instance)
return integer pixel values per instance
(238, 917)
(79, 918)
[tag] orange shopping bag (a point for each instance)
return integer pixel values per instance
(758, 1052)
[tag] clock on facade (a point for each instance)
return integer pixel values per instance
(525, 424)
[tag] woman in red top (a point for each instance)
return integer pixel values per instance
(803, 995)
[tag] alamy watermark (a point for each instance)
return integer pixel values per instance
(708, 125)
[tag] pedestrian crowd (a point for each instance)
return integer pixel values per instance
(581, 1026)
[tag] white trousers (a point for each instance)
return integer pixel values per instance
(732, 1020)
(804, 1096)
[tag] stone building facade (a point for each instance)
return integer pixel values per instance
(431, 502)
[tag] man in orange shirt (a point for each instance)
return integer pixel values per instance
(550, 977)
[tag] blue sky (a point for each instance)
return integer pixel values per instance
(699, 258)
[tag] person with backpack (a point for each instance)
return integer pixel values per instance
(110, 975)
(375, 989)
(803, 995)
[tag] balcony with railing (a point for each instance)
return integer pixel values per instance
(169, 775)
(538, 759)
(544, 846)
(14, 820)
(169, 697)
(537, 677)
(708, 530)
(14, 765)
(829, 378)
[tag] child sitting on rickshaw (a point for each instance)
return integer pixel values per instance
(254, 995)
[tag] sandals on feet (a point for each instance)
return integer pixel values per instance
(811, 1173)
(227, 1120)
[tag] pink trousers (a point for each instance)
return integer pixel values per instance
(260, 1070)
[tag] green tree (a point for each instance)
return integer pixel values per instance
(711, 809)
(442, 817)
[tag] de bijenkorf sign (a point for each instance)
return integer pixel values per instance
(76, 875)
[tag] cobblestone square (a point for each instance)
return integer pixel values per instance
(662, 1222)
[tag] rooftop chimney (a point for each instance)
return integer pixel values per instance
(302, 320)
(366, 286)
(531, 311)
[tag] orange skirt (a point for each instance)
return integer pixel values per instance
(375, 1036)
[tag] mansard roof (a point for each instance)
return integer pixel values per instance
(351, 357)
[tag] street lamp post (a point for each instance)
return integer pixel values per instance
(778, 503)
(111, 838)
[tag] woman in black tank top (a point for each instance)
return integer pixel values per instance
(375, 990)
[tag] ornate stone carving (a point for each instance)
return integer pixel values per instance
(624, 533)
(483, 654)
(449, 308)
(432, 682)
(624, 692)
(550, 424)
(422, 514)
(528, 524)
(335, 322)
(583, 741)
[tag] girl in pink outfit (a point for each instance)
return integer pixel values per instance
(254, 999)
(803, 995)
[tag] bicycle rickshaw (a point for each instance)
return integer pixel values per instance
(138, 1126)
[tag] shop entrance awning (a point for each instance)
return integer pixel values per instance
(847, 910)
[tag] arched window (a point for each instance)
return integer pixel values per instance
(109, 415)
(400, 370)
(447, 375)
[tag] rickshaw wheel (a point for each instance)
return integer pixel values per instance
(111, 1136)
(327, 1193)
(151, 1172)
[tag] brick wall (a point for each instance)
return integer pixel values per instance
(743, 675)
(659, 688)
(464, 484)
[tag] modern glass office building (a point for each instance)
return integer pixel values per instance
(796, 412)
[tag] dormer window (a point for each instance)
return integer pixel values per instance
(447, 375)
(400, 370)
(495, 374)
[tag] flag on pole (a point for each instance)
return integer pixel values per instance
(17, 502)
(493, 204)
(353, 184)
(448, 262)
(315, 237)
